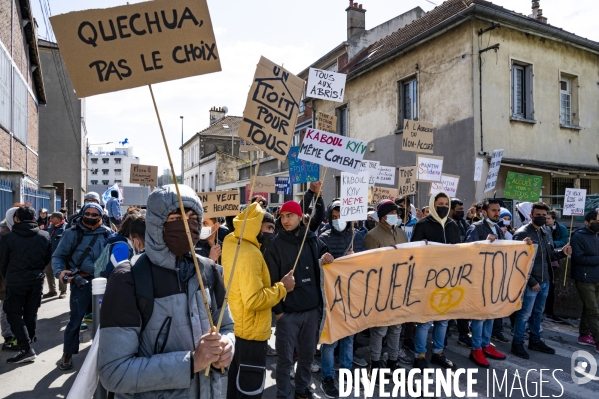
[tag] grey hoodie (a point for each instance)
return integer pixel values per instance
(157, 363)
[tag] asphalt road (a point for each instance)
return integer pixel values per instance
(43, 380)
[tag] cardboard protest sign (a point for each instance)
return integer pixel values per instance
(383, 193)
(406, 181)
(246, 146)
(372, 167)
(354, 196)
(143, 174)
(265, 184)
(326, 85)
(254, 193)
(302, 171)
(271, 109)
(493, 170)
(574, 201)
(332, 150)
(385, 175)
(417, 136)
(220, 203)
(523, 187)
(448, 183)
(429, 168)
(478, 169)
(421, 283)
(326, 122)
(133, 45)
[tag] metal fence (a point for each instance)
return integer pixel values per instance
(59, 204)
(5, 197)
(36, 198)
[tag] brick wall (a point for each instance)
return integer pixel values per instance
(19, 156)
(32, 165)
(5, 23)
(4, 149)
(19, 55)
(32, 124)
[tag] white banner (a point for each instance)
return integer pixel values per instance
(372, 167)
(429, 168)
(354, 196)
(386, 175)
(478, 169)
(333, 150)
(574, 202)
(448, 183)
(326, 85)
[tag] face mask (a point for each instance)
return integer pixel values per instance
(539, 220)
(594, 227)
(480, 215)
(442, 211)
(491, 222)
(370, 224)
(206, 232)
(339, 225)
(90, 222)
(266, 239)
(176, 238)
(459, 215)
(392, 219)
(506, 222)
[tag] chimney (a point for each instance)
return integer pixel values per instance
(537, 13)
(356, 19)
(216, 114)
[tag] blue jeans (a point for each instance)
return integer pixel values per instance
(327, 356)
(80, 299)
(481, 333)
(533, 304)
(422, 334)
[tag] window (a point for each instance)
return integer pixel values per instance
(203, 182)
(94, 182)
(332, 67)
(105, 160)
(118, 181)
(210, 182)
(343, 120)
(296, 138)
(5, 91)
(191, 185)
(560, 184)
(104, 171)
(337, 186)
(117, 172)
(302, 105)
(117, 160)
(105, 182)
(94, 171)
(20, 108)
(94, 160)
(522, 106)
(408, 101)
(565, 104)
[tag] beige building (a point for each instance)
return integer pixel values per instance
(487, 78)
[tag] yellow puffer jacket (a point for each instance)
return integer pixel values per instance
(252, 296)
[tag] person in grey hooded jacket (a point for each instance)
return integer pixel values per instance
(165, 358)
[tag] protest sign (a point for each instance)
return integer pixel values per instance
(143, 174)
(429, 168)
(133, 45)
(326, 122)
(406, 181)
(417, 136)
(271, 109)
(354, 196)
(385, 175)
(220, 203)
(254, 193)
(421, 283)
(372, 167)
(478, 169)
(523, 187)
(383, 193)
(448, 183)
(283, 185)
(493, 170)
(339, 152)
(326, 85)
(246, 146)
(265, 184)
(302, 171)
(574, 201)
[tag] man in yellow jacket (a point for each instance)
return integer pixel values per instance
(251, 300)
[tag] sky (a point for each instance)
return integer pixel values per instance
(292, 33)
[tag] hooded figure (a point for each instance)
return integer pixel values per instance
(435, 228)
(158, 360)
(524, 211)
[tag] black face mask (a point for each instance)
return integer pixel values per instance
(594, 227)
(442, 211)
(539, 221)
(266, 239)
(458, 215)
(175, 236)
(370, 224)
(90, 221)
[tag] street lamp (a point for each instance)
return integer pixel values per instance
(87, 160)
(181, 149)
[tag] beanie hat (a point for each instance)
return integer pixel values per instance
(373, 215)
(268, 218)
(293, 207)
(505, 212)
(93, 196)
(94, 206)
(384, 207)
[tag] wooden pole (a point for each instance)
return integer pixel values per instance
(568, 258)
(190, 241)
(230, 280)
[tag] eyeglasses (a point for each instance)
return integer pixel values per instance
(91, 214)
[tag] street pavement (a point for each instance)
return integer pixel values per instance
(43, 379)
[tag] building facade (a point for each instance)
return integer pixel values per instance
(109, 167)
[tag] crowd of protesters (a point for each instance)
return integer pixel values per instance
(156, 336)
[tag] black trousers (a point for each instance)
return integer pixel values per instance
(251, 353)
(20, 305)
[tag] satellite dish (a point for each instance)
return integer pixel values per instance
(225, 109)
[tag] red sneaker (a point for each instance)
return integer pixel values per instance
(493, 353)
(478, 358)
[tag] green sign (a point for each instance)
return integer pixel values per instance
(521, 187)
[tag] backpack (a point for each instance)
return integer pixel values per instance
(144, 286)
(102, 261)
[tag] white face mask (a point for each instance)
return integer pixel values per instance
(392, 219)
(506, 222)
(205, 232)
(339, 225)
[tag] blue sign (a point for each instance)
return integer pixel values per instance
(282, 185)
(302, 171)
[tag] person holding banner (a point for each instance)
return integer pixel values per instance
(299, 314)
(585, 273)
(386, 233)
(252, 297)
(535, 295)
(436, 227)
(342, 239)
